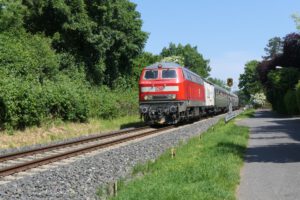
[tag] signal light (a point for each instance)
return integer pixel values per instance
(229, 82)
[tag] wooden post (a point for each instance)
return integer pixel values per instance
(173, 152)
(115, 188)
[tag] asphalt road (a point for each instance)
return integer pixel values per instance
(272, 160)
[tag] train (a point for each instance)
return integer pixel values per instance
(170, 93)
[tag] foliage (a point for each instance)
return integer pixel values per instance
(274, 48)
(26, 102)
(192, 58)
(143, 60)
(107, 104)
(20, 102)
(258, 99)
(243, 99)
(65, 100)
(298, 94)
(279, 82)
(176, 59)
(219, 82)
(296, 18)
(26, 55)
(289, 57)
(11, 14)
(49, 50)
(104, 35)
(291, 51)
(249, 81)
(290, 101)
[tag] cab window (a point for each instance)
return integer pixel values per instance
(169, 74)
(151, 74)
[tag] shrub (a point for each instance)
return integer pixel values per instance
(298, 94)
(22, 55)
(280, 81)
(24, 102)
(66, 100)
(290, 102)
(21, 103)
(108, 104)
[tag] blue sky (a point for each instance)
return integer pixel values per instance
(228, 33)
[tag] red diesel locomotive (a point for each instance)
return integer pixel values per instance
(169, 93)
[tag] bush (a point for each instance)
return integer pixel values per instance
(24, 102)
(65, 100)
(298, 94)
(290, 102)
(21, 103)
(280, 81)
(108, 104)
(25, 55)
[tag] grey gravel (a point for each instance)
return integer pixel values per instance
(82, 178)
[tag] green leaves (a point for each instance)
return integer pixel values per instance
(25, 55)
(105, 35)
(249, 80)
(11, 14)
(296, 18)
(279, 82)
(192, 58)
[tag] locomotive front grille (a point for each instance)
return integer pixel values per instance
(160, 97)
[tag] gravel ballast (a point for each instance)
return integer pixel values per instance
(82, 178)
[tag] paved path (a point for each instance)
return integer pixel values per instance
(272, 161)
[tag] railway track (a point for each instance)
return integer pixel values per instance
(23, 161)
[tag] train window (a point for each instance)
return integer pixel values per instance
(169, 74)
(151, 74)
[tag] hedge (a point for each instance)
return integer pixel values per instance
(298, 94)
(290, 102)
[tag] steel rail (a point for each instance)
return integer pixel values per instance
(42, 161)
(34, 151)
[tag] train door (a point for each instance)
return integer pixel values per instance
(209, 94)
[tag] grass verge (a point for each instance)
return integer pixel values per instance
(61, 130)
(207, 167)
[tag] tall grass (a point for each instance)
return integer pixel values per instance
(60, 130)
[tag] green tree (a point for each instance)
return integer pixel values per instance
(105, 35)
(176, 59)
(298, 94)
(273, 48)
(143, 60)
(192, 58)
(279, 82)
(296, 18)
(219, 82)
(249, 80)
(28, 56)
(11, 14)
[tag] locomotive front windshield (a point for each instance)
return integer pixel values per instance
(151, 74)
(169, 74)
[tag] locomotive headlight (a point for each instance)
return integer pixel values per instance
(172, 96)
(148, 97)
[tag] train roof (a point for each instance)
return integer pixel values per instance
(164, 65)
